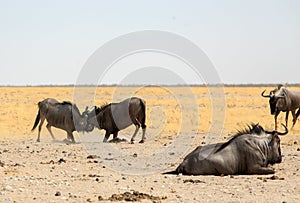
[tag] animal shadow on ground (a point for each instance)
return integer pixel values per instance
(118, 140)
(64, 141)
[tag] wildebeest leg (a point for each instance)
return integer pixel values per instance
(40, 127)
(260, 170)
(48, 126)
(287, 118)
(70, 135)
(298, 113)
(137, 127)
(294, 117)
(144, 133)
(275, 118)
(107, 134)
(115, 136)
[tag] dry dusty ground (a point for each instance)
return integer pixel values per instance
(60, 172)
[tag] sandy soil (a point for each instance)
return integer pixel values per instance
(55, 171)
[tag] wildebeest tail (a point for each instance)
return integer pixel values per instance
(37, 120)
(176, 171)
(171, 172)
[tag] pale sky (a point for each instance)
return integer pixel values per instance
(48, 42)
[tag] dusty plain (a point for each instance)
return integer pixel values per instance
(55, 171)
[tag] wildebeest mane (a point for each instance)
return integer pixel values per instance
(102, 107)
(66, 103)
(74, 106)
(250, 129)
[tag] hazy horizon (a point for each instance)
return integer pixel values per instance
(157, 85)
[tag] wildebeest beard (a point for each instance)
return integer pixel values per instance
(89, 128)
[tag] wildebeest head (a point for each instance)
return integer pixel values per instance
(277, 99)
(274, 155)
(274, 146)
(81, 120)
(88, 126)
(92, 116)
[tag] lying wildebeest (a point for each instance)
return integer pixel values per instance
(65, 116)
(282, 99)
(248, 152)
(114, 117)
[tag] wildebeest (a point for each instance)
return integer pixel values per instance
(114, 117)
(65, 116)
(282, 99)
(250, 151)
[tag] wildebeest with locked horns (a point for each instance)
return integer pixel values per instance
(65, 116)
(282, 99)
(114, 117)
(250, 151)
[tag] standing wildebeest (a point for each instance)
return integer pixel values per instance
(249, 152)
(114, 117)
(282, 99)
(65, 116)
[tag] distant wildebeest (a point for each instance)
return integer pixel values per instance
(282, 99)
(65, 116)
(114, 117)
(250, 151)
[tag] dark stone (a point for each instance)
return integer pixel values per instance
(58, 193)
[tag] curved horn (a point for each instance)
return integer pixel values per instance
(284, 133)
(262, 94)
(278, 133)
(270, 132)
